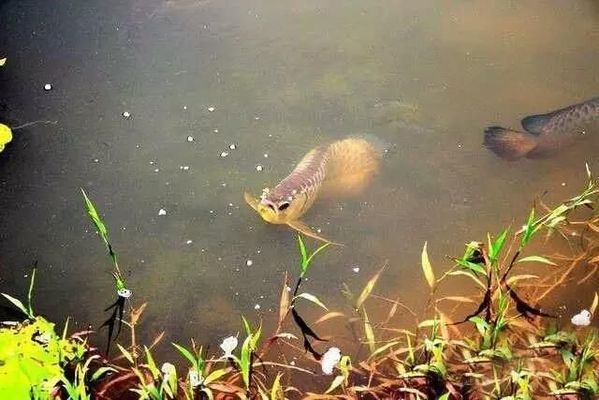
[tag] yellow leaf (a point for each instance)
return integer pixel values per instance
(595, 303)
(427, 268)
(459, 299)
(327, 316)
(339, 379)
(5, 135)
(2, 61)
(369, 333)
(368, 288)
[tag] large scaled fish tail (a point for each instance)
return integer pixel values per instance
(351, 166)
(509, 144)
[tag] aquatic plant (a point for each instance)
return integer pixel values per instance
(505, 347)
(33, 357)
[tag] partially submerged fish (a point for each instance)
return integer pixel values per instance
(545, 133)
(343, 168)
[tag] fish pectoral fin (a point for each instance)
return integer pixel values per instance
(251, 200)
(306, 230)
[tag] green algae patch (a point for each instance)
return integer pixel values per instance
(5, 136)
(32, 357)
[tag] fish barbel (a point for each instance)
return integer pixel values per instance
(341, 169)
(544, 134)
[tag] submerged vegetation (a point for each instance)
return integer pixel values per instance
(505, 347)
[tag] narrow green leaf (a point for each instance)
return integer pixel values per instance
(246, 325)
(126, 353)
(312, 298)
(101, 371)
(215, 375)
(187, 354)
(427, 268)
(529, 230)
(303, 254)
(17, 303)
(476, 268)
(31, 283)
(497, 245)
(244, 362)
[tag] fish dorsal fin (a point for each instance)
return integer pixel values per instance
(305, 229)
(535, 124)
(251, 200)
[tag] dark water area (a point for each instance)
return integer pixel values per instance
(274, 79)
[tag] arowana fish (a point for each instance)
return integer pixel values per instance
(545, 133)
(343, 168)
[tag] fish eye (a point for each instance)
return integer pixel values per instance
(283, 206)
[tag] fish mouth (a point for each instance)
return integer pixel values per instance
(266, 213)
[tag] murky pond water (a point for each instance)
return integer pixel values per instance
(274, 79)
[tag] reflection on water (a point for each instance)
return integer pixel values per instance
(274, 79)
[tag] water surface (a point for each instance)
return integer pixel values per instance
(273, 78)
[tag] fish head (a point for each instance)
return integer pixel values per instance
(281, 211)
(276, 211)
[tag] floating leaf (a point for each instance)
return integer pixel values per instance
(427, 268)
(539, 259)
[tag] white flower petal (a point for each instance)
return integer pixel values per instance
(329, 360)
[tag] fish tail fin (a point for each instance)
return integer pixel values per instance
(507, 143)
(352, 164)
(305, 229)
